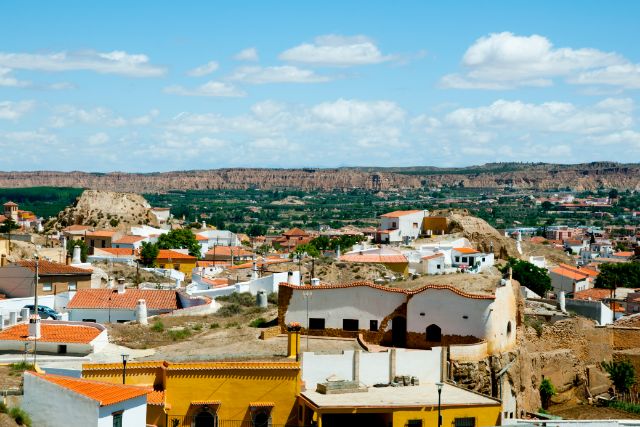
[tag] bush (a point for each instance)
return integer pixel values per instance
(3, 408)
(634, 408)
(197, 327)
(272, 298)
(214, 325)
(158, 326)
(20, 416)
(179, 334)
(244, 299)
(229, 310)
(258, 323)
(20, 367)
(547, 390)
(622, 373)
(232, 325)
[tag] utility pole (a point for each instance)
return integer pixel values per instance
(35, 309)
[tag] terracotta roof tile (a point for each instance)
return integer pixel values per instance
(396, 214)
(595, 294)
(115, 251)
(580, 270)
(205, 402)
(10, 203)
(624, 253)
(52, 333)
(48, 268)
(571, 274)
(466, 250)
(101, 233)
(76, 227)
(226, 251)
(155, 397)
(103, 393)
(129, 239)
(388, 289)
(295, 232)
(262, 404)
(168, 253)
(438, 255)
(156, 299)
(198, 366)
(200, 237)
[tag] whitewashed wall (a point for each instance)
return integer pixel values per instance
(334, 305)
(16, 304)
(503, 313)
(134, 415)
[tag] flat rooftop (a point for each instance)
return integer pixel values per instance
(409, 396)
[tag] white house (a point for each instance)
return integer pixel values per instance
(430, 316)
(401, 226)
(129, 242)
(59, 401)
(210, 238)
(56, 336)
(471, 259)
(571, 279)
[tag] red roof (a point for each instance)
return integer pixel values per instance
(226, 251)
(387, 288)
(10, 203)
(129, 239)
(48, 268)
(62, 333)
(581, 270)
(538, 239)
(396, 214)
(295, 232)
(200, 237)
(156, 299)
(115, 251)
(571, 274)
(466, 250)
(168, 253)
(595, 294)
(103, 393)
(76, 227)
(624, 253)
(101, 233)
(380, 259)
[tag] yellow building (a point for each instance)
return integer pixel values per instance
(174, 260)
(414, 406)
(235, 394)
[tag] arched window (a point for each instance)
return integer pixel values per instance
(434, 333)
(206, 419)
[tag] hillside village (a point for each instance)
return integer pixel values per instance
(134, 317)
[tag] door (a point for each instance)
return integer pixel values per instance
(399, 331)
(205, 419)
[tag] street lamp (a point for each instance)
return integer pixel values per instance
(439, 385)
(125, 357)
(307, 297)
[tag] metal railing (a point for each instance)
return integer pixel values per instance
(190, 421)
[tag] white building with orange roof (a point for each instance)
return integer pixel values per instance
(61, 337)
(570, 279)
(401, 226)
(129, 242)
(59, 401)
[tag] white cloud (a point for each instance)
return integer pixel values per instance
(6, 79)
(348, 112)
(211, 88)
(10, 110)
(336, 50)
(624, 75)
(277, 74)
(115, 62)
(61, 86)
(99, 138)
(203, 70)
(249, 54)
(504, 60)
(69, 115)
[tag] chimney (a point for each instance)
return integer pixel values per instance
(13, 318)
(315, 281)
(3, 260)
(77, 259)
(34, 327)
(141, 312)
(121, 289)
(289, 275)
(561, 302)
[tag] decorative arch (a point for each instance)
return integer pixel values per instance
(434, 333)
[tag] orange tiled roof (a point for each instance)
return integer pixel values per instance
(76, 227)
(101, 233)
(466, 250)
(62, 333)
(168, 253)
(116, 251)
(226, 251)
(571, 274)
(48, 268)
(103, 393)
(129, 239)
(595, 294)
(200, 237)
(295, 232)
(396, 214)
(380, 259)
(156, 299)
(155, 397)
(582, 270)
(262, 404)
(205, 402)
(624, 253)
(388, 289)
(438, 255)
(10, 203)
(538, 239)
(266, 262)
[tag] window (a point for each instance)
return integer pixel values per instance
(415, 225)
(394, 225)
(438, 266)
(464, 259)
(434, 334)
(464, 422)
(316, 323)
(89, 320)
(103, 243)
(457, 259)
(350, 324)
(47, 287)
(62, 349)
(373, 325)
(483, 260)
(117, 419)
(261, 418)
(73, 286)
(414, 423)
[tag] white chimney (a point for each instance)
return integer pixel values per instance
(561, 302)
(141, 312)
(121, 289)
(1, 321)
(204, 224)
(77, 259)
(315, 281)
(34, 327)
(13, 318)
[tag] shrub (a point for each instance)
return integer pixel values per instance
(547, 390)
(20, 416)
(229, 310)
(260, 322)
(232, 325)
(19, 367)
(3, 408)
(272, 298)
(622, 373)
(214, 325)
(179, 334)
(197, 327)
(158, 326)
(244, 299)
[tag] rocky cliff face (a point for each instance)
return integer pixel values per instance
(525, 176)
(106, 209)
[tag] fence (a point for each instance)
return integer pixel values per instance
(210, 420)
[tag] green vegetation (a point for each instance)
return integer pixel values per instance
(84, 249)
(244, 299)
(214, 325)
(8, 225)
(179, 334)
(3, 408)
(197, 327)
(534, 278)
(157, 326)
(229, 310)
(633, 408)
(180, 239)
(547, 391)
(43, 201)
(260, 322)
(622, 373)
(619, 275)
(149, 254)
(20, 416)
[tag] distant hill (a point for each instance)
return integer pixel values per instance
(540, 176)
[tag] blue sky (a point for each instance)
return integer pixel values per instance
(158, 86)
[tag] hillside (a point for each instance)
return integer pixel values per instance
(539, 176)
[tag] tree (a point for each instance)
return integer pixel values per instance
(8, 225)
(624, 274)
(306, 249)
(547, 205)
(263, 249)
(547, 390)
(256, 230)
(529, 275)
(622, 373)
(84, 249)
(148, 254)
(180, 239)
